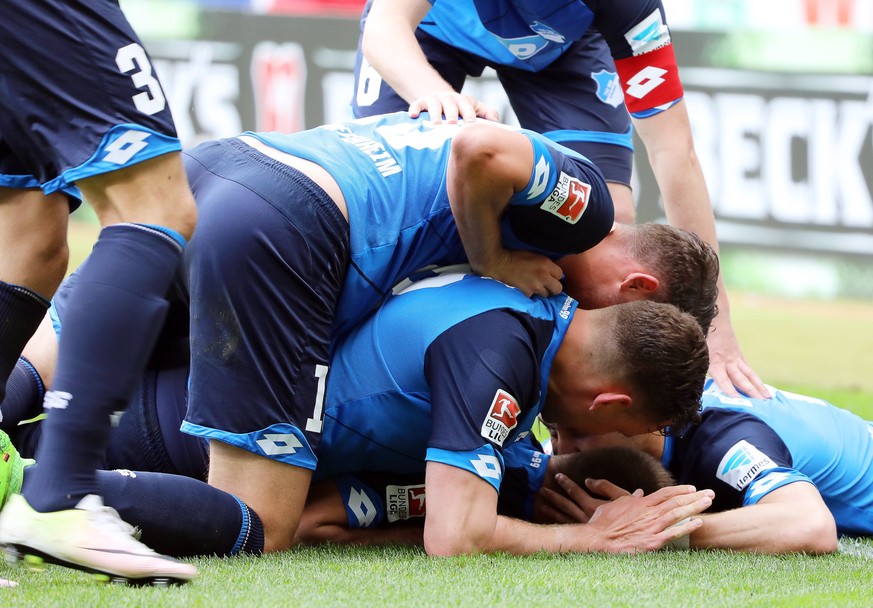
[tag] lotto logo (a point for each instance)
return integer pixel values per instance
(645, 81)
(279, 443)
(502, 417)
(569, 199)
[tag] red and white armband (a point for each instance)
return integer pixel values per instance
(650, 80)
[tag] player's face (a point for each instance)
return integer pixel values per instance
(567, 441)
(593, 277)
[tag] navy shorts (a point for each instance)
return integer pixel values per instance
(78, 94)
(264, 271)
(576, 101)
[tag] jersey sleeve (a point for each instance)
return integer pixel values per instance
(525, 471)
(738, 456)
(484, 379)
(565, 207)
(640, 43)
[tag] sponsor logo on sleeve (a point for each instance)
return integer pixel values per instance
(502, 417)
(569, 199)
(742, 464)
(362, 507)
(405, 502)
(488, 467)
(760, 488)
(649, 34)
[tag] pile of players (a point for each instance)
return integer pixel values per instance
(307, 368)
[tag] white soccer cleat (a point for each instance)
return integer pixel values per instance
(90, 537)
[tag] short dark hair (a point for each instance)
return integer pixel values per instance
(627, 467)
(686, 265)
(661, 356)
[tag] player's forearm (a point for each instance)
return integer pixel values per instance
(767, 528)
(390, 46)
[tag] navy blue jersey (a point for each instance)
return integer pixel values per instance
(745, 448)
(452, 370)
(392, 172)
(78, 95)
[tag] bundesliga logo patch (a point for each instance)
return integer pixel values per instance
(569, 199)
(405, 502)
(502, 417)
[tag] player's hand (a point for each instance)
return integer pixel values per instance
(531, 273)
(635, 523)
(452, 105)
(728, 367)
(575, 505)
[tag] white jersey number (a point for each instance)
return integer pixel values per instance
(133, 57)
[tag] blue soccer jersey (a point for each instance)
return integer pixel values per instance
(532, 35)
(451, 370)
(745, 448)
(392, 172)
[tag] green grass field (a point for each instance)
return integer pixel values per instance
(817, 348)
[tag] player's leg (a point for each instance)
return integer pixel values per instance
(33, 239)
(577, 102)
(264, 275)
(107, 114)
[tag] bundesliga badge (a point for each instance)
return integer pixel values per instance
(569, 199)
(502, 417)
(404, 502)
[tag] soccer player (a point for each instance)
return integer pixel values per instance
(571, 70)
(80, 106)
(790, 473)
(448, 348)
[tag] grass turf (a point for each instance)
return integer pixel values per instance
(334, 576)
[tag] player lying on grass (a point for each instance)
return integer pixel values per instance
(438, 381)
(790, 473)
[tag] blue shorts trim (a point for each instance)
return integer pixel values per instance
(280, 442)
(123, 146)
(563, 136)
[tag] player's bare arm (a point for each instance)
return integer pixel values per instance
(489, 164)
(667, 137)
(462, 518)
(390, 46)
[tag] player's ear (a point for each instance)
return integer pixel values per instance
(640, 285)
(610, 399)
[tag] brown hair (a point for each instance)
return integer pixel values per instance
(628, 468)
(660, 354)
(686, 265)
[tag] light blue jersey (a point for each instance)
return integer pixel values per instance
(392, 172)
(758, 445)
(452, 370)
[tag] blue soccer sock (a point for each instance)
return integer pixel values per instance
(111, 323)
(21, 311)
(181, 516)
(24, 394)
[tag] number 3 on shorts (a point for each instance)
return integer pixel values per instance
(133, 56)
